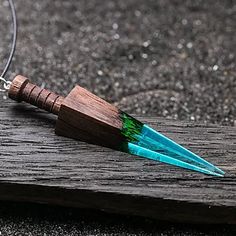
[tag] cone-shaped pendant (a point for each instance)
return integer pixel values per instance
(84, 116)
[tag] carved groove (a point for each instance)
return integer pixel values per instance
(22, 90)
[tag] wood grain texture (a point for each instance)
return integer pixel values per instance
(85, 116)
(38, 166)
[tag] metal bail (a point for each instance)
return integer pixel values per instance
(6, 84)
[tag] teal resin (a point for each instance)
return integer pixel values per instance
(147, 142)
(156, 156)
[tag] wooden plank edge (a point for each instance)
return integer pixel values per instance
(151, 207)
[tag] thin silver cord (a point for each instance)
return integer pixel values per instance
(13, 47)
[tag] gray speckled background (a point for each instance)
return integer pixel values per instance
(173, 59)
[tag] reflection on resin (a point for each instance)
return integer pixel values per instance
(144, 141)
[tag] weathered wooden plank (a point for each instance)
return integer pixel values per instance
(38, 166)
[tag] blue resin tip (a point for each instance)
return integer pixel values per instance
(144, 141)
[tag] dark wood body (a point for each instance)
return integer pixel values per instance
(86, 117)
(81, 115)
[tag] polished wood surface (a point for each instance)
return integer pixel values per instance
(87, 117)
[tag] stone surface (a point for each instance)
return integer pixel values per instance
(33, 220)
(174, 59)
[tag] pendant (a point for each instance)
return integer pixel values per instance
(86, 117)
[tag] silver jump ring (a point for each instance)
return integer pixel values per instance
(6, 84)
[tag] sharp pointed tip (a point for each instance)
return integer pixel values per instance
(144, 152)
(221, 172)
(217, 174)
(209, 172)
(147, 142)
(182, 151)
(218, 171)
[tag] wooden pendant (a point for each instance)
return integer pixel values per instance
(84, 116)
(81, 115)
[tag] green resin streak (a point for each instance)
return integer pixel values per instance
(144, 141)
(132, 128)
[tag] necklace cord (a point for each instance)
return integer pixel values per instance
(13, 46)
